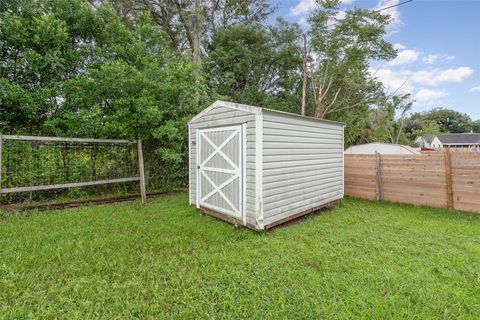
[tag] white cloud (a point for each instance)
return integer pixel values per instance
(305, 6)
(475, 89)
(431, 58)
(437, 76)
(394, 14)
(449, 58)
(426, 95)
(405, 57)
(341, 15)
(432, 78)
(302, 22)
(398, 46)
(393, 81)
(406, 81)
(302, 7)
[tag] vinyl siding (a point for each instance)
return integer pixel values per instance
(224, 116)
(302, 164)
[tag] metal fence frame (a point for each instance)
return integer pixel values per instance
(140, 177)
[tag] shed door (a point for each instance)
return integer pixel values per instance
(220, 170)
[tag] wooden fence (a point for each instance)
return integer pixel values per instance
(445, 179)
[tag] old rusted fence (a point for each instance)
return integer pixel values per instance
(444, 179)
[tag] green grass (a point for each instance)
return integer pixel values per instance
(166, 260)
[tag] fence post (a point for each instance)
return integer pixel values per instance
(143, 191)
(448, 176)
(379, 176)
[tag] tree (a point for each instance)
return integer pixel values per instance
(185, 22)
(476, 126)
(305, 76)
(71, 70)
(445, 120)
(342, 86)
(39, 49)
(387, 121)
(257, 65)
(402, 104)
(450, 120)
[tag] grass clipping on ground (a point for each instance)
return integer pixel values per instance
(166, 260)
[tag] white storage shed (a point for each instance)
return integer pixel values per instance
(260, 167)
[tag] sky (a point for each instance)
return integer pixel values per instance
(438, 43)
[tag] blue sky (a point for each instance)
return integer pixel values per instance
(439, 49)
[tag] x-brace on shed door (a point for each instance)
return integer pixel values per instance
(220, 170)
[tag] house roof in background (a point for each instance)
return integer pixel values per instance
(460, 138)
(428, 137)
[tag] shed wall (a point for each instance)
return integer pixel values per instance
(302, 165)
(218, 117)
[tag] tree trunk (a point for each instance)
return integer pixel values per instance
(304, 89)
(318, 112)
(196, 32)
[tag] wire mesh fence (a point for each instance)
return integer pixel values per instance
(41, 164)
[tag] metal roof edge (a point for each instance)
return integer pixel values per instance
(226, 104)
(256, 110)
(302, 117)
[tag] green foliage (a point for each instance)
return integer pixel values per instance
(175, 17)
(450, 120)
(387, 122)
(476, 126)
(344, 49)
(438, 120)
(365, 260)
(257, 65)
(123, 69)
(71, 70)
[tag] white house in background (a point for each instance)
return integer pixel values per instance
(450, 140)
(428, 141)
(382, 148)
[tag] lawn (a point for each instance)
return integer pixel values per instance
(166, 260)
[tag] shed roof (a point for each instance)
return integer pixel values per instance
(460, 138)
(255, 110)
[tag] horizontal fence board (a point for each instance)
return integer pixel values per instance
(359, 194)
(465, 171)
(409, 162)
(416, 200)
(433, 168)
(368, 168)
(413, 187)
(58, 139)
(67, 185)
(465, 206)
(467, 184)
(467, 196)
(355, 180)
